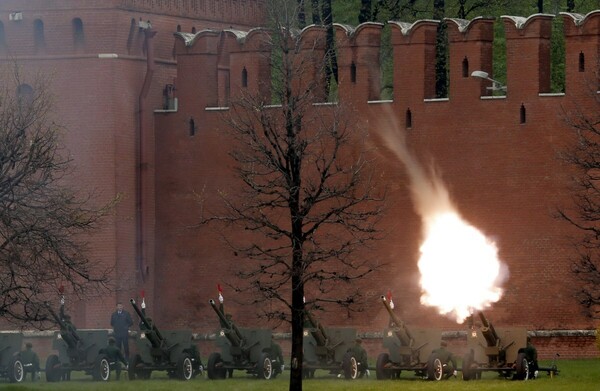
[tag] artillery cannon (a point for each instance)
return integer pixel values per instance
(78, 350)
(496, 349)
(327, 348)
(11, 366)
(171, 351)
(404, 348)
(241, 348)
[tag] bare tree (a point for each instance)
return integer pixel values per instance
(584, 156)
(41, 219)
(307, 201)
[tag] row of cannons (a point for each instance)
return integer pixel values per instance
(249, 349)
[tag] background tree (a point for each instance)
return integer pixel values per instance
(307, 201)
(584, 155)
(41, 219)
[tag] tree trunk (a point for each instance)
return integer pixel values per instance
(316, 14)
(365, 14)
(296, 364)
(441, 78)
(301, 14)
(331, 68)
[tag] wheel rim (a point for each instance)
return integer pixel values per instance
(18, 371)
(104, 370)
(267, 368)
(437, 366)
(525, 365)
(187, 369)
(353, 368)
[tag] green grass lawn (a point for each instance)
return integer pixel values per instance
(579, 375)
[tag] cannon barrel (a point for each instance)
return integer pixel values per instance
(318, 332)
(147, 324)
(488, 331)
(233, 334)
(401, 330)
(69, 335)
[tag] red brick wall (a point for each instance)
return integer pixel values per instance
(503, 175)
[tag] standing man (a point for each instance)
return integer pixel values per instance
(121, 322)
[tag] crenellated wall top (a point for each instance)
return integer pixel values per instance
(579, 24)
(408, 29)
(477, 29)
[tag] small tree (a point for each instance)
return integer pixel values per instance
(307, 200)
(41, 218)
(584, 155)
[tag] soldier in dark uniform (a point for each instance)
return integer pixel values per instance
(115, 357)
(447, 358)
(31, 362)
(121, 321)
(360, 355)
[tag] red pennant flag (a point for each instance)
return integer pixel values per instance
(220, 293)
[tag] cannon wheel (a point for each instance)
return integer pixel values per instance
(522, 367)
(134, 372)
(380, 369)
(101, 368)
(468, 372)
(264, 367)
(17, 373)
(213, 369)
(350, 366)
(185, 370)
(53, 369)
(435, 369)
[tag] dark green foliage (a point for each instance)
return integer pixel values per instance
(357, 11)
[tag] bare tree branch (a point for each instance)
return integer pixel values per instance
(41, 220)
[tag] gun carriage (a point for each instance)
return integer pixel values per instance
(11, 366)
(169, 351)
(497, 349)
(405, 349)
(78, 350)
(244, 349)
(327, 348)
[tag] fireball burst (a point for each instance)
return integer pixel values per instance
(459, 265)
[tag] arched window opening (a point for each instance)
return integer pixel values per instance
(523, 114)
(178, 28)
(78, 37)
(38, 35)
(581, 62)
(408, 119)
(353, 72)
(132, 30)
(2, 37)
(244, 77)
(24, 95)
(194, 30)
(192, 127)
(465, 67)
